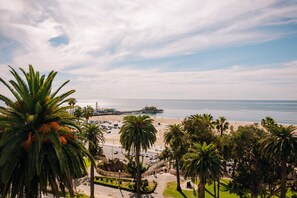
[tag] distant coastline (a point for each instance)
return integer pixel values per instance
(283, 111)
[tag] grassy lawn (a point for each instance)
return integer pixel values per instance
(78, 195)
(171, 191)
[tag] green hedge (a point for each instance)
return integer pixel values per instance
(126, 184)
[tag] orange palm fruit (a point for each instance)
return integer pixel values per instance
(54, 125)
(62, 140)
(45, 128)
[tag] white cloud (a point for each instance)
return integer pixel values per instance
(103, 33)
(148, 29)
(237, 82)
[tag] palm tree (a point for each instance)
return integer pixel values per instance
(221, 125)
(137, 132)
(199, 127)
(71, 102)
(78, 112)
(280, 144)
(202, 161)
(87, 112)
(268, 121)
(208, 120)
(94, 136)
(166, 154)
(175, 138)
(38, 138)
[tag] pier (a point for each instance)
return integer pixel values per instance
(145, 110)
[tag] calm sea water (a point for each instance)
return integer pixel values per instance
(233, 110)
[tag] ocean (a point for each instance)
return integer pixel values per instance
(283, 111)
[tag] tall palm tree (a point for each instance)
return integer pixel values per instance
(175, 137)
(280, 144)
(71, 102)
(202, 161)
(137, 133)
(221, 125)
(87, 112)
(94, 136)
(38, 138)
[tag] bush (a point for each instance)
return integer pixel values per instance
(126, 184)
(294, 196)
(144, 183)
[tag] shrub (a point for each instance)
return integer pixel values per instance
(126, 184)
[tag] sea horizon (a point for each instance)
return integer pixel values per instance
(283, 111)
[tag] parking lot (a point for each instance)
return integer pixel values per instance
(114, 149)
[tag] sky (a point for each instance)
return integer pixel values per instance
(157, 49)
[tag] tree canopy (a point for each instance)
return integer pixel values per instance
(38, 137)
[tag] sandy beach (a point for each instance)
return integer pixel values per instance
(159, 123)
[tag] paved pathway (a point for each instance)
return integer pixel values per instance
(102, 191)
(162, 180)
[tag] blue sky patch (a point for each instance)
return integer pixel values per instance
(6, 49)
(267, 53)
(59, 40)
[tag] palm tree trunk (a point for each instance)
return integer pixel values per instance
(201, 188)
(283, 179)
(138, 175)
(92, 182)
(178, 188)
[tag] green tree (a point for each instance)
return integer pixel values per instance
(78, 112)
(268, 121)
(132, 168)
(87, 112)
(224, 147)
(37, 138)
(72, 102)
(166, 154)
(249, 169)
(175, 137)
(137, 132)
(280, 143)
(202, 161)
(221, 125)
(94, 136)
(199, 127)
